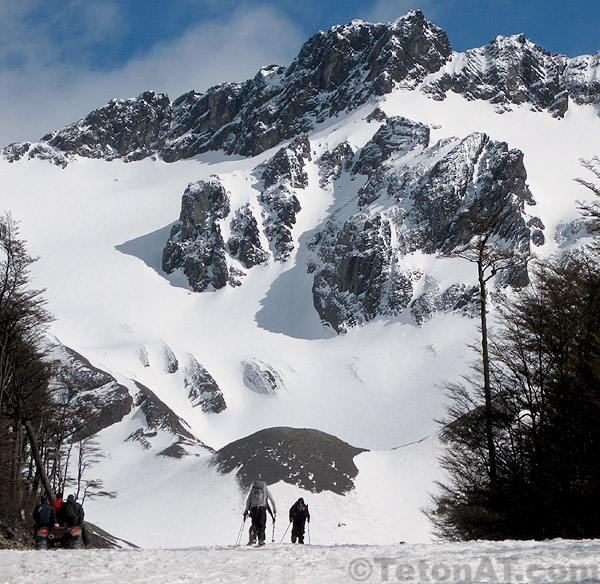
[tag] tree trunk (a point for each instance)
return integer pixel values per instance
(39, 463)
(486, 373)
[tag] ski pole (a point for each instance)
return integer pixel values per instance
(309, 532)
(273, 536)
(239, 537)
(286, 530)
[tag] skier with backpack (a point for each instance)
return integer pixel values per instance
(299, 514)
(256, 506)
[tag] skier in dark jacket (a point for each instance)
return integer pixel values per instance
(256, 505)
(298, 516)
(251, 534)
(44, 514)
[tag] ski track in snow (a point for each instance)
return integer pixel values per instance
(528, 562)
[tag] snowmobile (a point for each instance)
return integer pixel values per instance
(59, 536)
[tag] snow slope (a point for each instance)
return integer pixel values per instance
(99, 229)
(528, 562)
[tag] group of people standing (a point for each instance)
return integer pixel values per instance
(59, 512)
(260, 502)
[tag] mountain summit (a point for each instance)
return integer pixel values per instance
(335, 71)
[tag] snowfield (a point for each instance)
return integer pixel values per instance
(99, 229)
(518, 562)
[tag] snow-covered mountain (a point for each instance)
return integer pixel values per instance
(251, 280)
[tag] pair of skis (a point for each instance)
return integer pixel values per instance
(239, 537)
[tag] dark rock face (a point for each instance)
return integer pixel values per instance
(309, 459)
(513, 70)
(42, 151)
(282, 173)
(196, 245)
(334, 71)
(131, 129)
(358, 273)
(244, 241)
(98, 399)
(333, 162)
(98, 539)
(203, 390)
(159, 417)
(509, 70)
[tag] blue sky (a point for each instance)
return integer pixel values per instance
(59, 59)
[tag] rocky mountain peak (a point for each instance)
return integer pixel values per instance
(335, 71)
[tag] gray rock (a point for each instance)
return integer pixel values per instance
(281, 174)
(335, 71)
(262, 378)
(196, 245)
(333, 162)
(308, 459)
(422, 206)
(157, 416)
(96, 398)
(244, 241)
(131, 129)
(203, 390)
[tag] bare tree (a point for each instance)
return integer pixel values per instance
(491, 256)
(24, 374)
(591, 209)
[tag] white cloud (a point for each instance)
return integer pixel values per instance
(388, 10)
(45, 93)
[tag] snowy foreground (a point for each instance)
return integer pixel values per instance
(552, 561)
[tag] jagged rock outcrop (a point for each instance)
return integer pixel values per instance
(244, 242)
(418, 207)
(96, 398)
(309, 459)
(508, 70)
(333, 162)
(337, 70)
(281, 174)
(262, 378)
(458, 298)
(196, 245)
(131, 129)
(334, 71)
(513, 70)
(157, 416)
(203, 390)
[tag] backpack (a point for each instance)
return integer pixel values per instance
(71, 513)
(258, 495)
